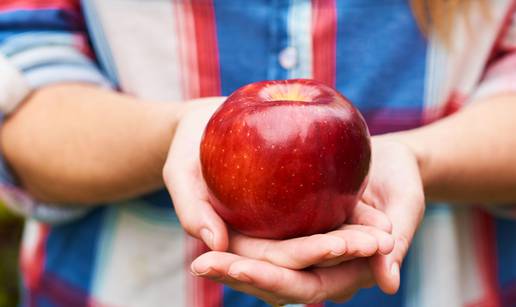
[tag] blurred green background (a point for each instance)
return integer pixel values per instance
(10, 234)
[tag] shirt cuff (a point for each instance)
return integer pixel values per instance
(28, 62)
(13, 86)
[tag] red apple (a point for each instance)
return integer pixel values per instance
(284, 159)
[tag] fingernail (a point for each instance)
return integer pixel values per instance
(338, 249)
(195, 272)
(388, 251)
(395, 269)
(335, 252)
(240, 276)
(207, 237)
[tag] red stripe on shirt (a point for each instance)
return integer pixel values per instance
(187, 49)
(324, 33)
(201, 292)
(207, 48)
(39, 4)
(485, 252)
(32, 263)
(180, 46)
(504, 28)
(454, 103)
(62, 293)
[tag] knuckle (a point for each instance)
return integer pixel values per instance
(270, 255)
(402, 244)
(386, 224)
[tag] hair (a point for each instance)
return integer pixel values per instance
(438, 15)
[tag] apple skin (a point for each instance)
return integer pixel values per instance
(284, 159)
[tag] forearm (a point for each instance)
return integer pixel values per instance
(471, 155)
(81, 144)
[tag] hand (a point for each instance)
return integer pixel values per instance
(182, 175)
(394, 187)
(183, 178)
(271, 269)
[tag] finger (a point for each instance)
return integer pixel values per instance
(196, 214)
(385, 240)
(385, 243)
(307, 287)
(386, 268)
(345, 243)
(379, 265)
(405, 217)
(268, 297)
(213, 264)
(216, 265)
(292, 286)
(367, 215)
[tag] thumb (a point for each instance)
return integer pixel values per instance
(405, 215)
(386, 268)
(196, 215)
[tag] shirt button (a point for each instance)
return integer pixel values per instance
(288, 57)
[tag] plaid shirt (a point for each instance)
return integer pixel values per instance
(135, 253)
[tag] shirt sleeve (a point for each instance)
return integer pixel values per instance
(500, 74)
(41, 43)
(500, 77)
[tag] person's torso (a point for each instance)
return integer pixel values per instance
(135, 253)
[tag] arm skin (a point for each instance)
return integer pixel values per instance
(75, 143)
(122, 145)
(469, 156)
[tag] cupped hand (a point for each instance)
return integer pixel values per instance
(395, 187)
(311, 269)
(183, 178)
(270, 270)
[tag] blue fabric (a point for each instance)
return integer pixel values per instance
(159, 199)
(71, 249)
(375, 297)
(49, 19)
(46, 57)
(255, 45)
(506, 250)
(31, 39)
(377, 68)
(100, 44)
(232, 298)
(43, 302)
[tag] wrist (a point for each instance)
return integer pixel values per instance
(417, 144)
(172, 115)
(162, 119)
